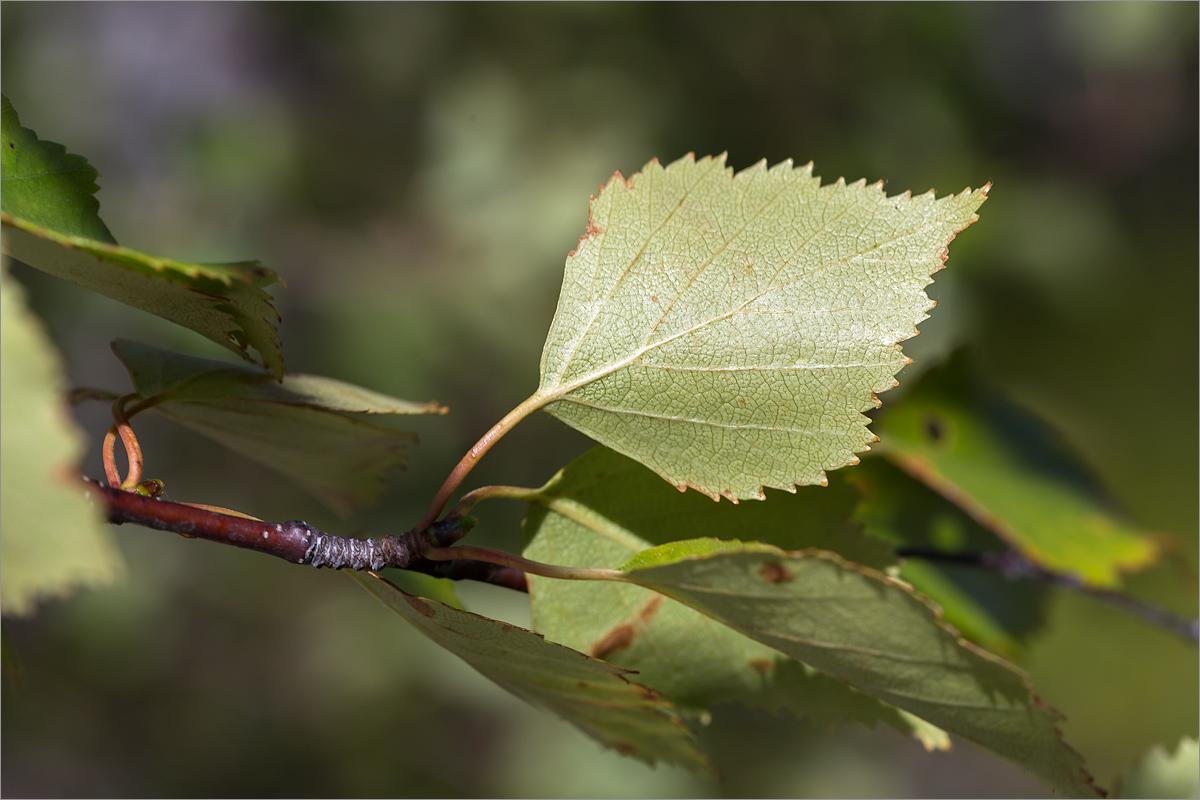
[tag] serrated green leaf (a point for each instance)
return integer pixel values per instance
(41, 182)
(603, 509)
(291, 426)
(989, 609)
(54, 539)
(594, 696)
(49, 219)
(873, 632)
(728, 331)
(1163, 774)
(1004, 468)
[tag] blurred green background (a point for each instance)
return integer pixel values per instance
(417, 173)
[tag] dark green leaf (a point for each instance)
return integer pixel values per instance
(292, 426)
(604, 508)
(50, 222)
(873, 632)
(594, 696)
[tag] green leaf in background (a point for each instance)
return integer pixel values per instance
(158, 372)
(873, 632)
(1163, 774)
(603, 508)
(54, 537)
(1002, 466)
(293, 427)
(594, 696)
(989, 609)
(50, 222)
(728, 331)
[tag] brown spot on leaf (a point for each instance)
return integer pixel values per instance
(774, 572)
(421, 606)
(622, 636)
(616, 640)
(763, 666)
(625, 748)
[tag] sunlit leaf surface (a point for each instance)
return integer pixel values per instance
(728, 331)
(1004, 468)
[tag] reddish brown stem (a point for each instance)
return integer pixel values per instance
(299, 542)
(468, 462)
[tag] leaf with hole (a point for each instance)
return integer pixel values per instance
(728, 330)
(603, 508)
(50, 221)
(594, 696)
(293, 426)
(1003, 467)
(55, 539)
(873, 632)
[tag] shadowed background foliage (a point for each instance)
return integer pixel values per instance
(417, 173)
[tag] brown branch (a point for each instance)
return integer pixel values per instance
(1013, 566)
(301, 543)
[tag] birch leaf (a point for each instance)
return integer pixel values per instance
(873, 632)
(603, 509)
(594, 696)
(295, 426)
(1004, 467)
(728, 331)
(50, 221)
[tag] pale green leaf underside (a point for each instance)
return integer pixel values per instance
(50, 222)
(604, 508)
(54, 538)
(1163, 774)
(873, 632)
(728, 331)
(594, 696)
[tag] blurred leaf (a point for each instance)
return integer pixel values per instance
(50, 222)
(1004, 468)
(594, 696)
(157, 372)
(989, 609)
(873, 632)
(604, 508)
(54, 537)
(727, 331)
(291, 426)
(1159, 774)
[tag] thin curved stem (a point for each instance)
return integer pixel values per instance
(133, 450)
(456, 476)
(122, 412)
(523, 564)
(468, 500)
